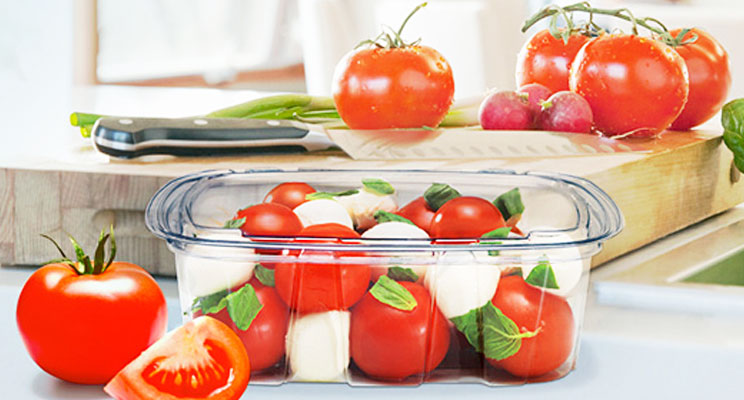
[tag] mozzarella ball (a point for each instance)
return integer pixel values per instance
(205, 269)
(318, 346)
(567, 263)
(458, 284)
(397, 230)
(363, 205)
(323, 211)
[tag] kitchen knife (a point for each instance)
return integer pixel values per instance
(134, 137)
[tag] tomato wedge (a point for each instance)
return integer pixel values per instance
(203, 358)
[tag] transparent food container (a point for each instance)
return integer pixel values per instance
(498, 312)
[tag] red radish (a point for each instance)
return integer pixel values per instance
(505, 110)
(566, 111)
(536, 93)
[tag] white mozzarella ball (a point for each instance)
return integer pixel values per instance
(363, 205)
(459, 284)
(323, 211)
(397, 230)
(206, 269)
(567, 263)
(318, 346)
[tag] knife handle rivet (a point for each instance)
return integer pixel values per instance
(126, 121)
(273, 122)
(200, 122)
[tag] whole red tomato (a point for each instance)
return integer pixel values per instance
(710, 78)
(269, 219)
(635, 85)
(465, 217)
(418, 212)
(264, 338)
(532, 308)
(393, 84)
(290, 194)
(325, 285)
(381, 88)
(547, 60)
(389, 343)
(84, 328)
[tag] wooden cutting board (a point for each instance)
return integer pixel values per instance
(67, 187)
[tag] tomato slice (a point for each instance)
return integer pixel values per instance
(203, 358)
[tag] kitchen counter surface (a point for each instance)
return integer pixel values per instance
(625, 352)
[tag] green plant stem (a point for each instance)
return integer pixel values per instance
(622, 13)
(273, 103)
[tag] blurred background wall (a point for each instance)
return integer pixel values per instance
(287, 45)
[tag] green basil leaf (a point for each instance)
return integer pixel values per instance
(510, 203)
(384, 216)
(439, 193)
(491, 332)
(212, 303)
(234, 223)
(378, 186)
(470, 324)
(329, 195)
(243, 306)
(542, 276)
(399, 273)
(496, 233)
(392, 293)
(264, 275)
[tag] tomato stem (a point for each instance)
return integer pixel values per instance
(592, 29)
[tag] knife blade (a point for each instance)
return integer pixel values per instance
(135, 137)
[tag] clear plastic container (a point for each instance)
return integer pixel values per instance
(460, 282)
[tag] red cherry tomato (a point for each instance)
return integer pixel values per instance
(418, 212)
(85, 328)
(322, 286)
(636, 86)
(465, 217)
(547, 60)
(379, 88)
(269, 219)
(710, 78)
(290, 194)
(391, 344)
(264, 338)
(201, 359)
(531, 309)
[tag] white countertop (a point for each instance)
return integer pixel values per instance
(625, 352)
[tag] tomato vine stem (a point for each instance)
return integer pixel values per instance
(592, 29)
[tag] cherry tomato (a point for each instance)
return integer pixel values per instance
(290, 194)
(636, 86)
(201, 359)
(264, 338)
(322, 286)
(418, 212)
(85, 328)
(381, 88)
(710, 78)
(465, 217)
(391, 344)
(532, 308)
(269, 219)
(547, 60)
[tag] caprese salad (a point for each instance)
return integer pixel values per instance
(318, 312)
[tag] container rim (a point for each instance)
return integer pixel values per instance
(166, 207)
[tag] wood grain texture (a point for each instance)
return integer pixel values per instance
(658, 193)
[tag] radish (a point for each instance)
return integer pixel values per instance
(566, 111)
(536, 93)
(505, 110)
